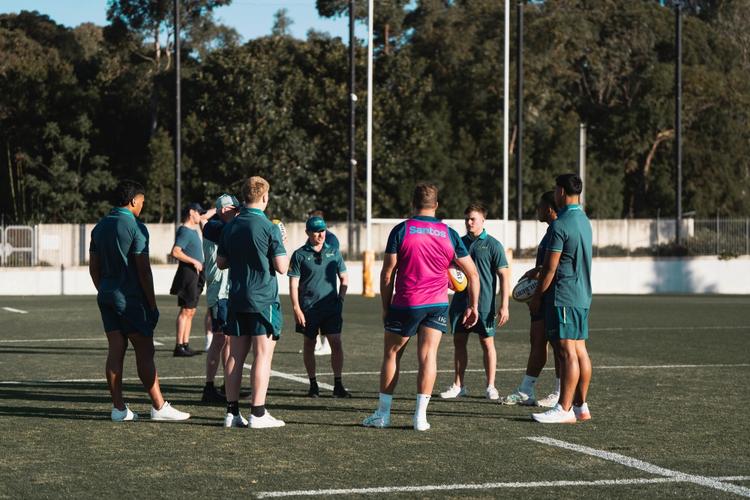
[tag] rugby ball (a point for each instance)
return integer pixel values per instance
(524, 289)
(282, 227)
(456, 279)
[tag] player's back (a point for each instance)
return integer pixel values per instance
(115, 239)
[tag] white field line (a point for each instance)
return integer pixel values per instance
(300, 377)
(634, 463)
(481, 486)
(14, 310)
(294, 378)
(156, 343)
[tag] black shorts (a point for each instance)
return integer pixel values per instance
(323, 322)
(187, 285)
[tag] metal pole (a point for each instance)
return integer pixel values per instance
(352, 157)
(519, 121)
(506, 99)
(177, 123)
(582, 160)
(678, 119)
(370, 19)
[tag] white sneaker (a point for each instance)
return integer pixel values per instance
(168, 413)
(265, 422)
(555, 416)
(323, 349)
(420, 424)
(582, 412)
(454, 391)
(491, 393)
(378, 420)
(549, 401)
(235, 421)
(123, 415)
(518, 397)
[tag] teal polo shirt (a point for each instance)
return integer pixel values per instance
(250, 242)
(570, 235)
(116, 239)
(488, 255)
(190, 242)
(317, 273)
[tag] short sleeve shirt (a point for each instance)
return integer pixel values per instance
(250, 242)
(116, 239)
(318, 273)
(190, 243)
(425, 247)
(332, 240)
(571, 236)
(488, 255)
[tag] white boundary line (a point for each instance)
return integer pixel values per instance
(634, 463)
(299, 377)
(14, 310)
(484, 486)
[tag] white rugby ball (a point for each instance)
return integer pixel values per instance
(457, 279)
(524, 289)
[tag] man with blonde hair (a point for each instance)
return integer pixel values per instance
(251, 246)
(422, 248)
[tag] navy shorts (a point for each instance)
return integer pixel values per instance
(321, 322)
(255, 324)
(218, 313)
(126, 314)
(406, 322)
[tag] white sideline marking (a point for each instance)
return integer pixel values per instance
(294, 378)
(14, 310)
(158, 343)
(645, 466)
(482, 486)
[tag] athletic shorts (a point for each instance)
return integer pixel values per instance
(321, 322)
(566, 323)
(255, 324)
(126, 315)
(406, 322)
(485, 326)
(219, 316)
(187, 285)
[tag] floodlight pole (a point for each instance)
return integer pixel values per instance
(506, 93)
(370, 41)
(352, 157)
(519, 124)
(678, 119)
(177, 123)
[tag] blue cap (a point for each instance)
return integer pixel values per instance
(315, 224)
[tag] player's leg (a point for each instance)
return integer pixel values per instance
(239, 346)
(580, 407)
(428, 343)
(460, 361)
(337, 365)
(570, 372)
(182, 324)
(208, 327)
(525, 393)
(394, 346)
(117, 345)
(263, 348)
(214, 354)
(308, 356)
(489, 356)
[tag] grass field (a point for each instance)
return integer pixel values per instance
(669, 398)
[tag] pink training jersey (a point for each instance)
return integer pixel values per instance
(426, 250)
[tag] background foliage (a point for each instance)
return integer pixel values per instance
(83, 107)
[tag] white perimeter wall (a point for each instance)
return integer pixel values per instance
(627, 275)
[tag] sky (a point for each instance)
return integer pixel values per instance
(251, 18)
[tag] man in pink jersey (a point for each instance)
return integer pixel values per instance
(421, 249)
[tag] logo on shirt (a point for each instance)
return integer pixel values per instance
(427, 230)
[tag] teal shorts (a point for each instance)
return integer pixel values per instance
(566, 322)
(406, 322)
(126, 314)
(254, 324)
(485, 326)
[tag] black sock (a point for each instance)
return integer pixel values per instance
(209, 385)
(233, 407)
(258, 411)
(313, 381)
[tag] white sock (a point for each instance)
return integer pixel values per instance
(384, 403)
(209, 339)
(527, 386)
(422, 401)
(557, 386)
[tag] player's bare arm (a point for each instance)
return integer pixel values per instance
(299, 315)
(503, 312)
(95, 270)
(178, 254)
(146, 278)
(343, 286)
(281, 264)
(471, 315)
(390, 264)
(551, 261)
